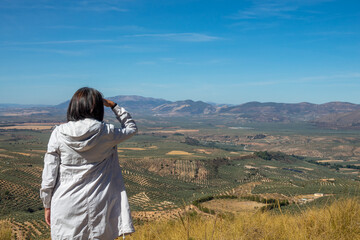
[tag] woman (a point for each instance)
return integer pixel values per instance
(82, 187)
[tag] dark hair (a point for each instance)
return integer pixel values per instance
(86, 103)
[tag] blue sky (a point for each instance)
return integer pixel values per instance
(219, 51)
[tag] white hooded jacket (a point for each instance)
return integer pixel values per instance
(82, 181)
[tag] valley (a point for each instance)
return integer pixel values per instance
(210, 164)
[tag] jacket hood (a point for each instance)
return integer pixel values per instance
(81, 135)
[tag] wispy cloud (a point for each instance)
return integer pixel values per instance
(332, 33)
(282, 9)
(175, 61)
(99, 8)
(146, 63)
(168, 59)
(106, 28)
(79, 41)
(62, 27)
(248, 25)
(340, 79)
(182, 37)
(126, 28)
(49, 50)
(265, 10)
(137, 48)
(97, 5)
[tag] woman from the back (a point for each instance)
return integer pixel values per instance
(82, 187)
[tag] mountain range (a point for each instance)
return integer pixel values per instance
(332, 114)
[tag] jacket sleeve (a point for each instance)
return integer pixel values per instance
(51, 168)
(128, 125)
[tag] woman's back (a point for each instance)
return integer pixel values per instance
(86, 141)
(82, 182)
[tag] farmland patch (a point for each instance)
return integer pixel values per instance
(232, 205)
(178, 153)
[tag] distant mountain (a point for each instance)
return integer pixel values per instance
(220, 104)
(350, 120)
(14, 105)
(286, 112)
(332, 114)
(188, 107)
(139, 104)
(63, 105)
(132, 103)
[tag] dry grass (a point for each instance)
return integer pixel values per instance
(309, 169)
(177, 131)
(129, 148)
(5, 230)
(178, 153)
(232, 205)
(206, 151)
(38, 151)
(271, 167)
(6, 156)
(24, 154)
(153, 147)
(250, 167)
(340, 220)
(330, 161)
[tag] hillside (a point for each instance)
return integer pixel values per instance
(285, 112)
(135, 103)
(338, 220)
(188, 107)
(350, 120)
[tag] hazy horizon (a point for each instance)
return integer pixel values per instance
(227, 52)
(210, 102)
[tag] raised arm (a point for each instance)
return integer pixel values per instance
(128, 125)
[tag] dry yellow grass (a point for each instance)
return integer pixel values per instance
(153, 147)
(5, 156)
(330, 161)
(5, 230)
(23, 113)
(305, 168)
(178, 153)
(203, 151)
(271, 167)
(32, 126)
(177, 131)
(24, 154)
(250, 167)
(38, 151)
(232, 205)
(134, 149)
(339, 221)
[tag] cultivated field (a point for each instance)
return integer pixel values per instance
(181, 162)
